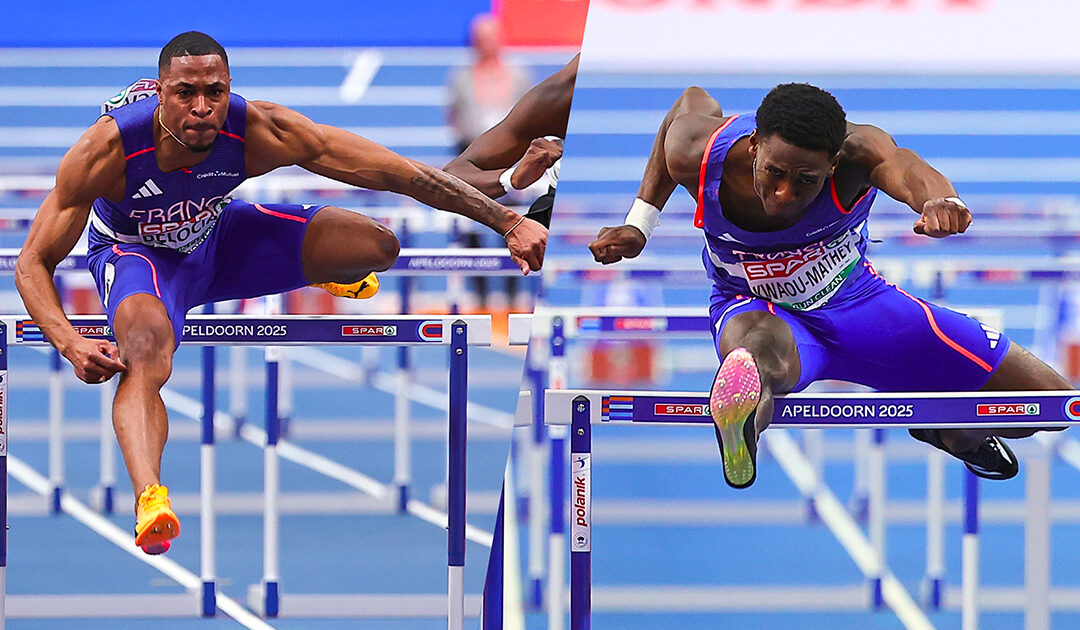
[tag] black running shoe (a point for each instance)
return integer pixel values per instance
(993, 459)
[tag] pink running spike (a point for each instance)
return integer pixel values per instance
(734, 396)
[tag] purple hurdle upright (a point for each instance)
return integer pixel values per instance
(581, 516)
(969, 549)
(557, 377)
(3, 471)
(206, 482)
(455, 505)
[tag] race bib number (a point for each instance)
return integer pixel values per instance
(801, 279)
(143, 88)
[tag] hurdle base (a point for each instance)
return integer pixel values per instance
(728, 598)
(1011, 599)
(103, 499)
(264, 598)
(101, 605)
(932, 591)
(373, 605)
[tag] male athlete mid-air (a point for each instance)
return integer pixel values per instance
(153, 178)
(794, 184)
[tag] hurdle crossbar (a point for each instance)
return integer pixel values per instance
(942, 410)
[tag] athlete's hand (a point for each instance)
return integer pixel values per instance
(94, 360)
(527, 243)
(613, 244)
(941, 217)
(539, 157)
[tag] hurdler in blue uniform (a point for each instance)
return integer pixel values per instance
(153, 178)
(783, 198)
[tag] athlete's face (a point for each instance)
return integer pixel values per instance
(194, 95)
(786, 177)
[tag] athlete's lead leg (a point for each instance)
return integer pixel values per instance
(760, 359)
(145, 337)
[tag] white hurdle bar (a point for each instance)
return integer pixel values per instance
(581, 409)
(457, 332)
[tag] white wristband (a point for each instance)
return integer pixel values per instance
(644, 216)
(504, 179)
(957, 201)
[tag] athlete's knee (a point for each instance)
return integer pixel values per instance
(757, 330)
(387, 248)
(771, 343)
(147, 350)
(378, 245)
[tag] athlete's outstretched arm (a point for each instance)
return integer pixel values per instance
(904, 176)
(542, 111)
(675, 159)
(92, 168)
(278, 136)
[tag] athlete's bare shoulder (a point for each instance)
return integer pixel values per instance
(684, 145)
(278, 136)
(94, 166)
(865, 147)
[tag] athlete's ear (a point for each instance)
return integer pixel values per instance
(753, 142)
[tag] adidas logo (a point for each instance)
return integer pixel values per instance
(992, 334)
(149, 189)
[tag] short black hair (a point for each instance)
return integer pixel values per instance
(190, 43)
(803, 115)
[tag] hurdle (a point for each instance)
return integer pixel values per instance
(412, 262)
(559, 325)
(581, 410)
(209, 330)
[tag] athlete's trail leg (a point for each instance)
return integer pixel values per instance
(1019, 371)
(343, 246)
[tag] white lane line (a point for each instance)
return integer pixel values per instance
(844, 528)
(126, 542)
(222, 421)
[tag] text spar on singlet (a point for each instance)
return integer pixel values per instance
(181, 226)
(803, 278)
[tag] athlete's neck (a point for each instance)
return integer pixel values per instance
(172, 154)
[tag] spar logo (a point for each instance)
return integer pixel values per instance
(667, 409)
(1008, 409)
(657, 324)
(93, 331)
(369, 331)
(1072, 408)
